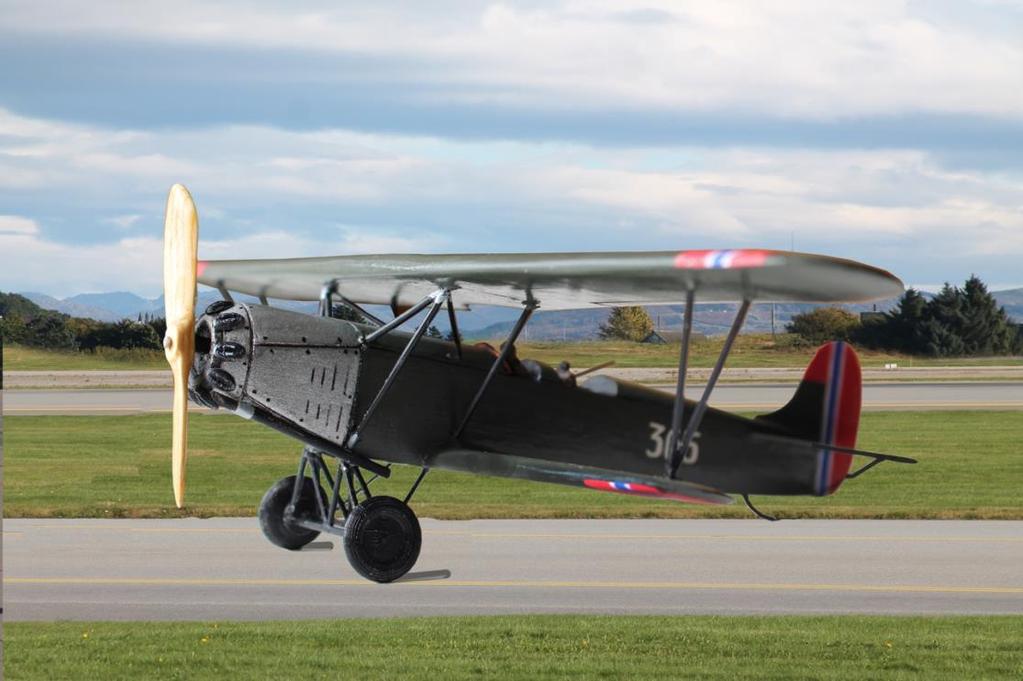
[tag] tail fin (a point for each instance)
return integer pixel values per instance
(826, 408)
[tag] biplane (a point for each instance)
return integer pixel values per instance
(363, 397)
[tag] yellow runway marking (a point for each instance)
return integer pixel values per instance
(156, 581)
(531, 535)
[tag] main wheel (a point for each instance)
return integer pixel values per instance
(382, 539)
(280, 527)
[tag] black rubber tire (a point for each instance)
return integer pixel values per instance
(382, 539)
(280, 530)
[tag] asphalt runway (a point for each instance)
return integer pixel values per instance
(758, 396)
(224, 569)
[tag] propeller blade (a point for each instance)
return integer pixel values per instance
(180, 255)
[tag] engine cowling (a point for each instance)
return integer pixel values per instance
(296, 367)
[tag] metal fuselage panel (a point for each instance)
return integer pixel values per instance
(549, 420)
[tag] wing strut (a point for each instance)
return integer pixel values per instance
(456, 335)
(330, 289)
(437, 298)
(693, 424)
(520, 323)
(680, 385)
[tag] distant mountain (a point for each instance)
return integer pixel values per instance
(120, 303)
(75, 307)
(1012, 301)
(710, 319)
(495, 322)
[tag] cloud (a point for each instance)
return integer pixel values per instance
(268, 192)
(787, 61)
(124, 221)
(15, 225)
(136, 264)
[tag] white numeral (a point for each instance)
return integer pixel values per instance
(659, 433)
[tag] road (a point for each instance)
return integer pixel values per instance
(224, 569)
(756, 396)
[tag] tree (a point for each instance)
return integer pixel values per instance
(49, 331)
(627, 323)
(901, 329)
(987, 329)
(12, 329)
(131, 334)
(944, 324)
(13, 305)
(823, 324)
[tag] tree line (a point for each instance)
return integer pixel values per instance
(957, 322)
(25, 323)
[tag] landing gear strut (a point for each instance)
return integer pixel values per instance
(381, 534)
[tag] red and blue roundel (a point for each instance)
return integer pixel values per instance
(639, 489)
(722, 259)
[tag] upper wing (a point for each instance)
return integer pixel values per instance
(561, 281)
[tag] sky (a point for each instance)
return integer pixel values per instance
(888, 132)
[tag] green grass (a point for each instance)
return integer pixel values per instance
(523, 647)
(751, 350)
(971, 466)
(21, 358)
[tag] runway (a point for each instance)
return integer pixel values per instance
(224, 569)
(753, 397)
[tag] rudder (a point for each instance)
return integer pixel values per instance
(826, 408)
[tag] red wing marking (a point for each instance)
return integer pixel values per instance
(642, 490)
(721, 259)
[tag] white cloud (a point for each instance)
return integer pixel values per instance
(124, 221)
(249, 180)
(795, 57)
(15, 225)
(33, 263)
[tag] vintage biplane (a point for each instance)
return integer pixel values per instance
(362, 397)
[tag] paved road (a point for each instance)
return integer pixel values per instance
(223, 568)
(759, 396)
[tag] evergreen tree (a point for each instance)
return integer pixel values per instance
(902, 328)
(627, 323)
(987, 329)
(944, 324)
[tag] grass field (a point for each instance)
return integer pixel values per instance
(971, 466)
(751, 350)
(523, 647)
(20, 358)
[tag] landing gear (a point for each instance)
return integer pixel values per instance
(280, 524)
(381, 534)
(382, 538)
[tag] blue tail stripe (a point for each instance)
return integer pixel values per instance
(830, 422)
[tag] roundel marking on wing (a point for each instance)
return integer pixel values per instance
(721, 259)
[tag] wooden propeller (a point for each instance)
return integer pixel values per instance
(180, 251)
